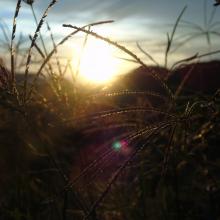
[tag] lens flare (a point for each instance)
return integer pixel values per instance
(121, 146)
(117, 146)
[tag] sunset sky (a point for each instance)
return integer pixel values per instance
(143, 21)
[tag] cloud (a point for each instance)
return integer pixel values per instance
(135, 20)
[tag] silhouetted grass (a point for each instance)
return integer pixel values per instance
(69, 152)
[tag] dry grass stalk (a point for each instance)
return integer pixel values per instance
(124, 49)
(40, 24)
(47, 59)
(13, 86)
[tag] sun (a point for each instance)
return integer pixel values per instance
(96, 62)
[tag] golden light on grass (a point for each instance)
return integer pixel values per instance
(96, 62)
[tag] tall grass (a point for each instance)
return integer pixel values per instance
(37, 31)
(81, 150)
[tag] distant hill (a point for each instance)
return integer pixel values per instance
(140, 79)
(203, 77)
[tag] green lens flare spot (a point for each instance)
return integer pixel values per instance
(116, 146)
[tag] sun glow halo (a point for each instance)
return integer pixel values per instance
(97, 61)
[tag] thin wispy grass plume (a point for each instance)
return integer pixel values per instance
(52, 3)
(101, 119)
(12, 46)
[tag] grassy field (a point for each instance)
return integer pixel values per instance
(145, 148)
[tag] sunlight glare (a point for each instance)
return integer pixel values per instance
(97, 61)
